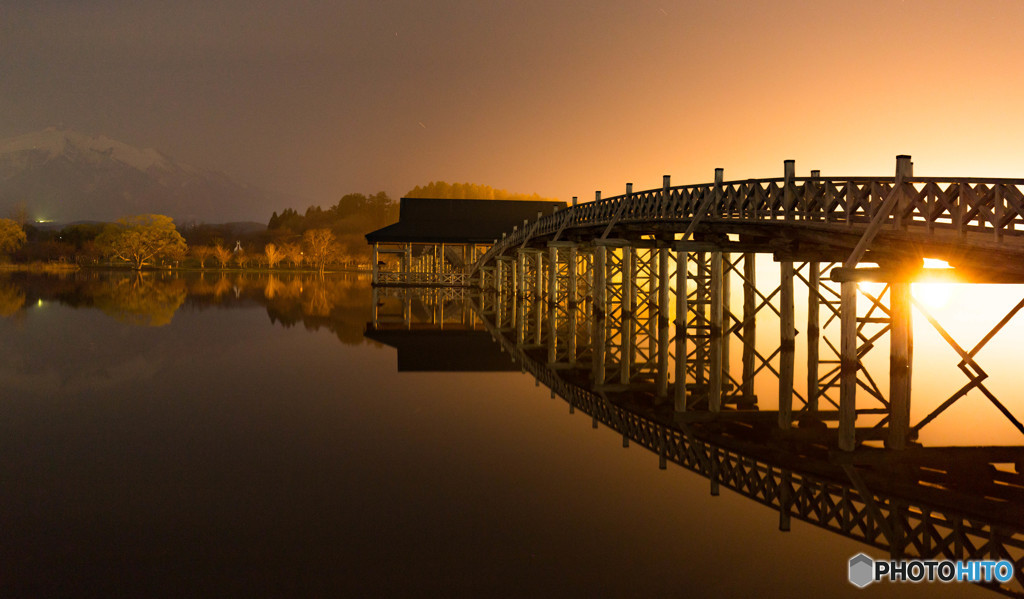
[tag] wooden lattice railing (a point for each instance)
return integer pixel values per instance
(941, 206)
(913, 527)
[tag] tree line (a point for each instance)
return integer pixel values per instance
(467, 191)
(317, 238)
(349, 221)
(147, 240)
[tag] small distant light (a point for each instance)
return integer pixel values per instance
(40, 303)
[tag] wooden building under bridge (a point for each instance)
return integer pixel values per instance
(435, 239)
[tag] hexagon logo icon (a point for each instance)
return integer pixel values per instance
(861, 570)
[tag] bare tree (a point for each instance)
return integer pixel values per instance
(293, 253)
(274, 254)
(222, 254)
(202, 253)
(240, 257)
(320, 247)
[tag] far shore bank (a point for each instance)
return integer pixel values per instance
(67, 267)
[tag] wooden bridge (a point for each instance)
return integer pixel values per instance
(643, 261)
(925, 502)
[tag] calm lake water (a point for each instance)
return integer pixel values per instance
(231, 436)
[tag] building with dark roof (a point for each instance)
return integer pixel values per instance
(435, 239)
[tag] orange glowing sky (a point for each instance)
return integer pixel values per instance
(560, 98)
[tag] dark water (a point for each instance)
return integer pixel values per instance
(186, 437)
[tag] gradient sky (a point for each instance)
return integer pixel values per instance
(319, 99)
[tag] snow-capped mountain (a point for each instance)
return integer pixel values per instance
(65, 176)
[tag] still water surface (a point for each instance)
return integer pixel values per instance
(185, 437)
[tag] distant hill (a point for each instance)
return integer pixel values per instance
(63, 175)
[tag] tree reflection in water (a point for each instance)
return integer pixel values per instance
(12, 298)
(338, 303)
(141, 299)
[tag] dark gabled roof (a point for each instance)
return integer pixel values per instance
(433, 350)
(428, 220)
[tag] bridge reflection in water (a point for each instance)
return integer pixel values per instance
(612, 356)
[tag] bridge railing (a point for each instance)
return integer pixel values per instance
(906, 521)
(950, 206)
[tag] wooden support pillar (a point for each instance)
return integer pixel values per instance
(499, 307)
(571, 340)
(661, 378)
(785, 499)
(573, 271)
(373, 263)
(726, 320)
(538, 284)
(898, 527)
(552, 275)
(787, 345)
(628, 281)
(440, 309)
(520, 311)
(848, 365)
(375, 298)
(681, 315)
(538, 320)
(664, 286)
(598, 338)
(901, 343)
(813, 335)
(904, 169)
(520, 285)
(552, 334)
(749, 325)
(702, 295)
(788, 195)
(589, 259)
(628, 321)
(715, 459)
(634, 286)
(715, 354)
(600, 269)
(406, 262)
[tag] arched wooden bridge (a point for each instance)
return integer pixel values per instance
(885, 220)
(686, 246)
(924, 502)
